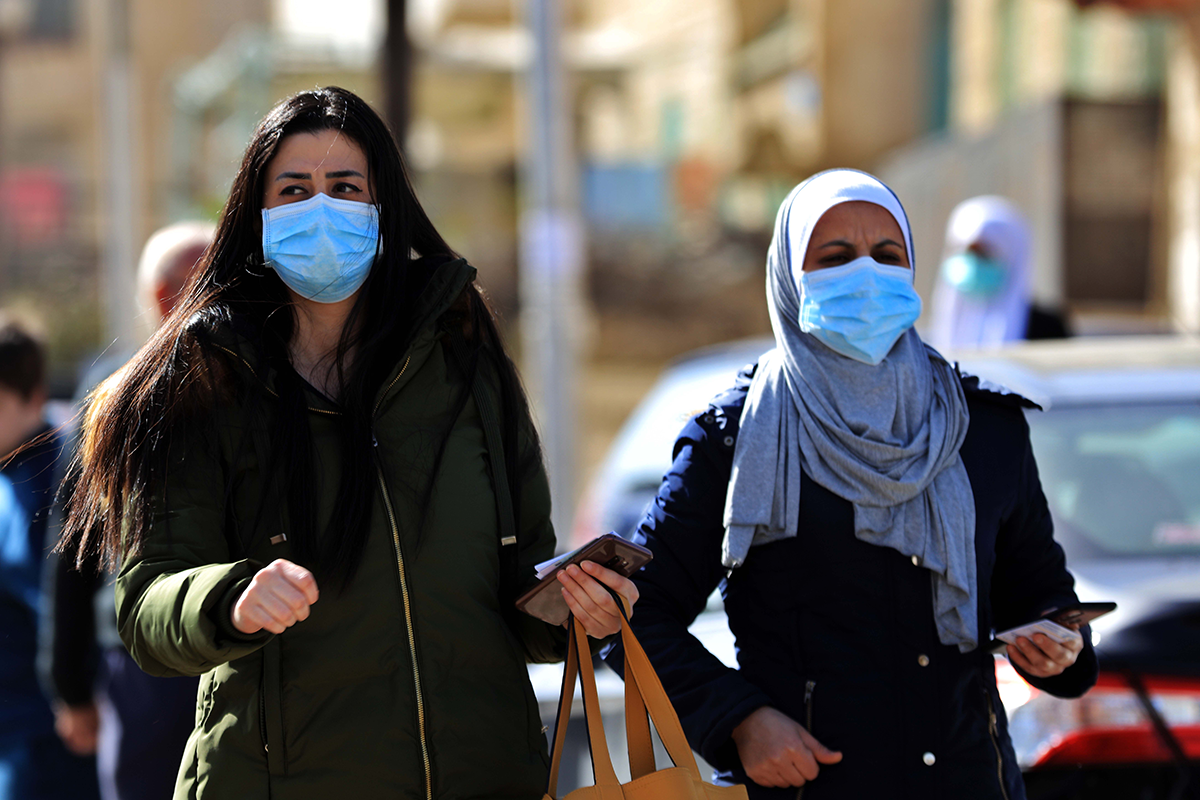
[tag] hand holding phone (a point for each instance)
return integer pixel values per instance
(1047, 646)
(545, 600)
(599, 598)
(1047, 627)
(1059, 624)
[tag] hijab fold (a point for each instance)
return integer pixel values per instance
(884, 437)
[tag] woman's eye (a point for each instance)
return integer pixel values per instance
(294, 189)
(346, 188)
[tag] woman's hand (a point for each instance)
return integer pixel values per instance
(1041, 656)
(278, 597)
(78, 727)
(590, 602)
(775, 750)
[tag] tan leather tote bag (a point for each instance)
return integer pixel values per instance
(643, 694)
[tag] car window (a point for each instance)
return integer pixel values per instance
(1121, 480)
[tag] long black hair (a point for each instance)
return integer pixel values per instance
(175, 378)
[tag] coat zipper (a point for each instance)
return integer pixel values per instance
(412, 639)
(994, 734)
(262, 727)
(808, 718)
(406, 598)
(384, 394)
(262, 712)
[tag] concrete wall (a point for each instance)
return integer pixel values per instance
(1020, 158)
(51, 98)
(876, 74)
(1183, 171)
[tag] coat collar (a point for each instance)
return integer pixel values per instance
(438, 280)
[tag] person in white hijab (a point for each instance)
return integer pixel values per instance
(983, 296)
(883, 565)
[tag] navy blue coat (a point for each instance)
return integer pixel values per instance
(27, 484)
(850, 624)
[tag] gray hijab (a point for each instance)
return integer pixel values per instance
(884, 437)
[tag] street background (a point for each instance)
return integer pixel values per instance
(676, 127)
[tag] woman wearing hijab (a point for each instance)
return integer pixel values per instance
(983, 296)
(870, 516)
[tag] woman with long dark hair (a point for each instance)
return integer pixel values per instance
(323, 487)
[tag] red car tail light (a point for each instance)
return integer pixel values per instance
(1108, 725)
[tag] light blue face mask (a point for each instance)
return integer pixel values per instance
(321, 248)
(859, 309)
(974, 275)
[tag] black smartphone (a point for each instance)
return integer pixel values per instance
(1056, 624)
(545, 600)
(1081, 613)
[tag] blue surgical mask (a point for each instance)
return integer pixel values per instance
(321, 248)
(859, 309)
(974, 275)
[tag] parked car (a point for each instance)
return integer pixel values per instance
(1118, 449)
(629, 476)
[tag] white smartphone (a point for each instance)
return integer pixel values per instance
(1051, 628)
(1054, 624)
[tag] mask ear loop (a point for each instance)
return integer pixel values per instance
(257, 269)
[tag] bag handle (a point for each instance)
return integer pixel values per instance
(654, 702)
(637, 715)
(644, 697)
(579, 660)
(565, 697)
(640, 746)
(637, 730)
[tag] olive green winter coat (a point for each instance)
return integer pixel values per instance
(407, 684)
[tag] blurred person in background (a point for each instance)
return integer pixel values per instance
(34, 765)
(983, 296)
(136, 724)
(871, 516)
(307, 476)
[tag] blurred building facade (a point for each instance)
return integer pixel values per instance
(1181, 157)
(738, 100)
(55, 160)
(1061, 109)
(693, 118)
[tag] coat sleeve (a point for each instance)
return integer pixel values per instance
(1031, 577)
(683, 528)
(67, 646)
(67, 635)
(174, 598)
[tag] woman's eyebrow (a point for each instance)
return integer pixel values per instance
(886, 242)
(836, 243)
(307, 176)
